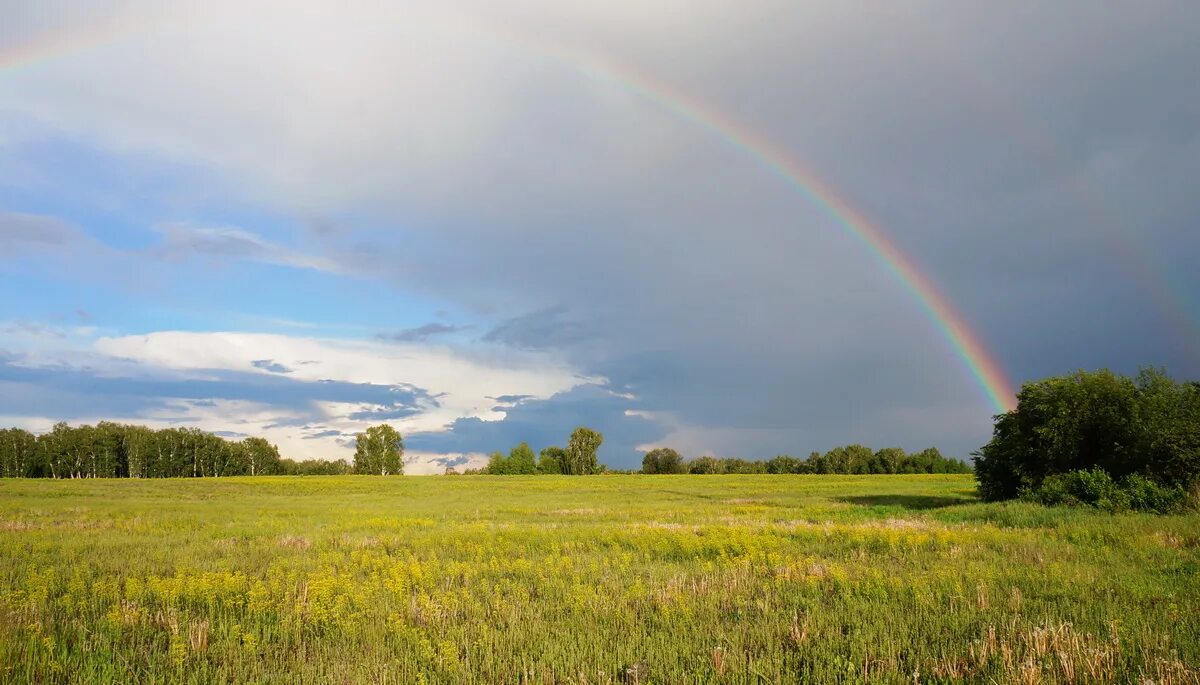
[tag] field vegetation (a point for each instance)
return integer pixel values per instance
(601, 579)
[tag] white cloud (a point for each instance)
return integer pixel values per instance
(434, 384)
(462, 383)
(429, 463)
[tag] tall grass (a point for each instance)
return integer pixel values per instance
(658, 579)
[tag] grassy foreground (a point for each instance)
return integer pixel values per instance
(625, 579)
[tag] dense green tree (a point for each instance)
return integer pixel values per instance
(849, 459)
(521, 460)
(785, 464)
(1148, 426)
(580, 458)
(379, 451)
(497, 465)
(663, 460)
(738, 465)
(262, 458)
(550, 460)
(137, 446)
(314, 467)
(887, 460)
(18, 453)
(930, 460)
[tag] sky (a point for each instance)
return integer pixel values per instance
(486, 223)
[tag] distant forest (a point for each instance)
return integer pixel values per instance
(851, 459)
(115, 450)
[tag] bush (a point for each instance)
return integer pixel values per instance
(663, 460)
(1146, 495)
(1096, 488)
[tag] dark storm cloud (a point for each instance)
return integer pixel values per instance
(545, 329)
(421, 333)
(67, 392)
(385, 413)
(543, 423)
(270, 365)
(1035, 164)
(510, 399)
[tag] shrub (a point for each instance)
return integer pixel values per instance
(1146, 495)
(1096, 488)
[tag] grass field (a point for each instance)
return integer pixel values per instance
(607, 579)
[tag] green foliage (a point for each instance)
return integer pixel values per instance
(662, 460)
(18, 453)
(379, 451)
(1146, 495)
(315, 467)
(849, 459)
(550, 460)
(521, 460)
(262, 458)
(785, 464)
(112, 450)
(497, 465)
(580, 458)
(1148, 426)
(852, 459)
(1095, 488)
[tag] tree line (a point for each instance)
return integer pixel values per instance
(579, 458)
(851, 459)
(116, 450)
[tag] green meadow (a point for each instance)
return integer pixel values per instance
(602, 579)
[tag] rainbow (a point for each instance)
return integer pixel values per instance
(48, 45)
(982, 365)
(985, 369)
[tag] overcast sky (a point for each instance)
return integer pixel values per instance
(474, 222)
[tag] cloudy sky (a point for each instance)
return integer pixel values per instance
(490, 222)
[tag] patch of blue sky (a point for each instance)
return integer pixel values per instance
(115, 197)
(117, 200)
